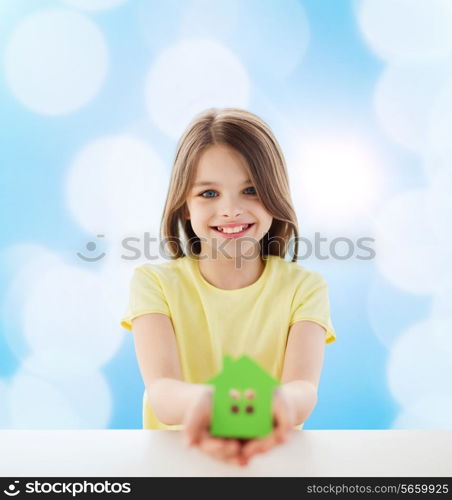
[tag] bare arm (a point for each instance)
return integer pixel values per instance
(158, 360)
(302, 366)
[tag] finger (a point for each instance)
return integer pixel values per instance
(252, 447)
(192, 436)
(232, 448)
(282, 427)
(269, 442)
(227, 448)
(203, 435)
(225, 451)
(194, 425)
(234, 461)
(215, 448)
(283, 423)
(260, 445)
(192, 432)
(210, 444)
(208, 448)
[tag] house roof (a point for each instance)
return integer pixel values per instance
(244, 368)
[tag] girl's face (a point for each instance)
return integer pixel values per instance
(222, 195)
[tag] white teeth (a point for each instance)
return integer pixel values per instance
(232, 229)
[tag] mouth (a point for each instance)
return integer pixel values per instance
(246, 228)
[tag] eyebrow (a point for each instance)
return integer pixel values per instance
(209, 183)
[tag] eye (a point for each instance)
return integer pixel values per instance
(212, 191)
(208, 191)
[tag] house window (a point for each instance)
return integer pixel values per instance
(250, 394)
(234, 394)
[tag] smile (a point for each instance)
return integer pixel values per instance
(233, 235)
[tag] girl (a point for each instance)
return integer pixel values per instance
(227, 288)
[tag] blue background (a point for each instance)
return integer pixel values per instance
(331, 86)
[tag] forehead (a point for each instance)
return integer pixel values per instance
(219, 161)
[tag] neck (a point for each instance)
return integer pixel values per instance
(233, 273)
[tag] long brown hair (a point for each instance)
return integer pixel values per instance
(252, 138)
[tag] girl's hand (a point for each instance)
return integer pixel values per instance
(236, 451)
(284, 419)
(196, 429)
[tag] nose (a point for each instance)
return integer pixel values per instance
(230, 207)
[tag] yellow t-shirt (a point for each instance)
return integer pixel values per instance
(210, 322)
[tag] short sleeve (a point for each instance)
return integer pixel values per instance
(311, 303)
(145, 296)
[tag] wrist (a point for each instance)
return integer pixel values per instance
(203, 391)
(301, 396)
(289, 400)
(207, 389)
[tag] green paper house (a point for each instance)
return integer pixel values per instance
(242, 399)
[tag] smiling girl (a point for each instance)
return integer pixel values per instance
(227, 288)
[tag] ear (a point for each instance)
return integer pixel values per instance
(186, 214)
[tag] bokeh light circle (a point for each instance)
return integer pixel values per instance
(55, 61)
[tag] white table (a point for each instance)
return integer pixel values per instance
(133, 453)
